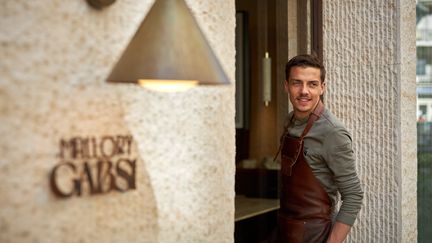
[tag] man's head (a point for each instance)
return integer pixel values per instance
(304, 83)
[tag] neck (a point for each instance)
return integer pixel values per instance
(298, 115)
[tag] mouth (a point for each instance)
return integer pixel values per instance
(303, 99)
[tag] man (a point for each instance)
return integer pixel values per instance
(317, 162)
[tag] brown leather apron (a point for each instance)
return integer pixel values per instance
(305, 207)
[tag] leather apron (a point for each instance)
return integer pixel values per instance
(305, 207)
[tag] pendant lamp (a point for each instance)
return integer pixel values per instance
(168, 52)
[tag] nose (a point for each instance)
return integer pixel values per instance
(304, 89)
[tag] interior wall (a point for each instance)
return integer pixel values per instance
(285, 39)
(55, 57)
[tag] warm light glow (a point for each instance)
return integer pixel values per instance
(167, 85)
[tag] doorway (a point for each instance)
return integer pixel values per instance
(268, 33)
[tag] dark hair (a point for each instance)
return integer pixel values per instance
(305, 60)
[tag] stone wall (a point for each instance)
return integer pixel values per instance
(55, 57)
(369, 51)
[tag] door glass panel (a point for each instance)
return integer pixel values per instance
(424, 119)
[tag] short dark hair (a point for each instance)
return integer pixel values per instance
(305, 60)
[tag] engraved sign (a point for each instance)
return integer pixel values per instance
(94, 165)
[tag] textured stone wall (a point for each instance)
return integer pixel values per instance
(369, 51)
(54, 58)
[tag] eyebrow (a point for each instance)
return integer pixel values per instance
(306, 81)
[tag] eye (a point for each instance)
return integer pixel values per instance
(314, 84)
(296, 82)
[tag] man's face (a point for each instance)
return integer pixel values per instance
(304, 87)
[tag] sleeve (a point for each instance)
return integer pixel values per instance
(341, 162)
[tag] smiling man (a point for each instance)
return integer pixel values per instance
(317, 163)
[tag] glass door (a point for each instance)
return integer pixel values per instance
(424, 119)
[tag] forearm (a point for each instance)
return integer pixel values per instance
(339, 232)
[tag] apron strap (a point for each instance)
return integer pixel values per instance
(315, 115)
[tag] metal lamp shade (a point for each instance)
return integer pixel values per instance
(168, 46)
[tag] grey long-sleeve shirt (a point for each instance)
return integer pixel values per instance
(328, 151)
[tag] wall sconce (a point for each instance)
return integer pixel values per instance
(266, 79)
(168, 52)
(266, 62)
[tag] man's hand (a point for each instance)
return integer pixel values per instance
(338, 233)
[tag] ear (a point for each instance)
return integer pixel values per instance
(323, 85)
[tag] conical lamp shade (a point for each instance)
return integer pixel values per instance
(169, 45)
